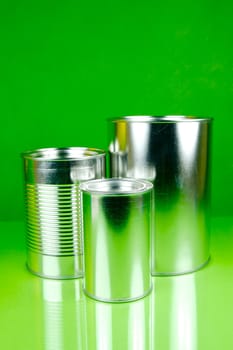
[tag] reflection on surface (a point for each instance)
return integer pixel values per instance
(166, 319)
(183, 314)
(123, 326)
(187, 139)
(139, 162)
(70, 320)
(25, 306)
(63, 315)
(175, 313)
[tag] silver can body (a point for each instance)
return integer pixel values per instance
(53, 207)
(173, 153)
(117, 232)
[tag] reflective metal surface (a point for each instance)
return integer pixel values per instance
(62, 308)
(175, 313)
(173, 153)
(53, 206)
(119, 326)
(117, 231)
(185, 312)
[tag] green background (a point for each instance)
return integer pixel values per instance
(67, 66)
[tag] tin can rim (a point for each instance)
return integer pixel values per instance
(161, 119)
(116, 186)
(61, 154)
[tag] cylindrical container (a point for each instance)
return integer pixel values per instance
(53, 207)
(173, 153)
(117, 231)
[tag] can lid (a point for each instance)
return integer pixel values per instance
(116, 186)
(63, 154)
(162, 119)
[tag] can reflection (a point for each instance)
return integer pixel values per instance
(63, 315)
(175, 314)
(118, 326)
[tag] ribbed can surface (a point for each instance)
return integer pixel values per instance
(53, 217)
(54, 208)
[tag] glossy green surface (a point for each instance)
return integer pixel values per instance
(66, 66)
(189, 312)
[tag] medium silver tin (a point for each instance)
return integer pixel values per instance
(53, 207)
(117, 232)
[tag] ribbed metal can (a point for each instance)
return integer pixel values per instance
(174, 153)
(54, 209)
(117, 233)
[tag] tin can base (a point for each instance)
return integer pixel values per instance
(123, 300)
(55, 267)
(167, 274)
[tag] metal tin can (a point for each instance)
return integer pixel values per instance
(117, 231)
(53, 207)
(173, 153)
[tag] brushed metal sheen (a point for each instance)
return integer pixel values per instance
(117, 232)
(53, 207)
(173, 152)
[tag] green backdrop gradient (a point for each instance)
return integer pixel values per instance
(67, 66)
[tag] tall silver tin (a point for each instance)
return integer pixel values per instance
(53, 207)
(173, 153)
(117, 231)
